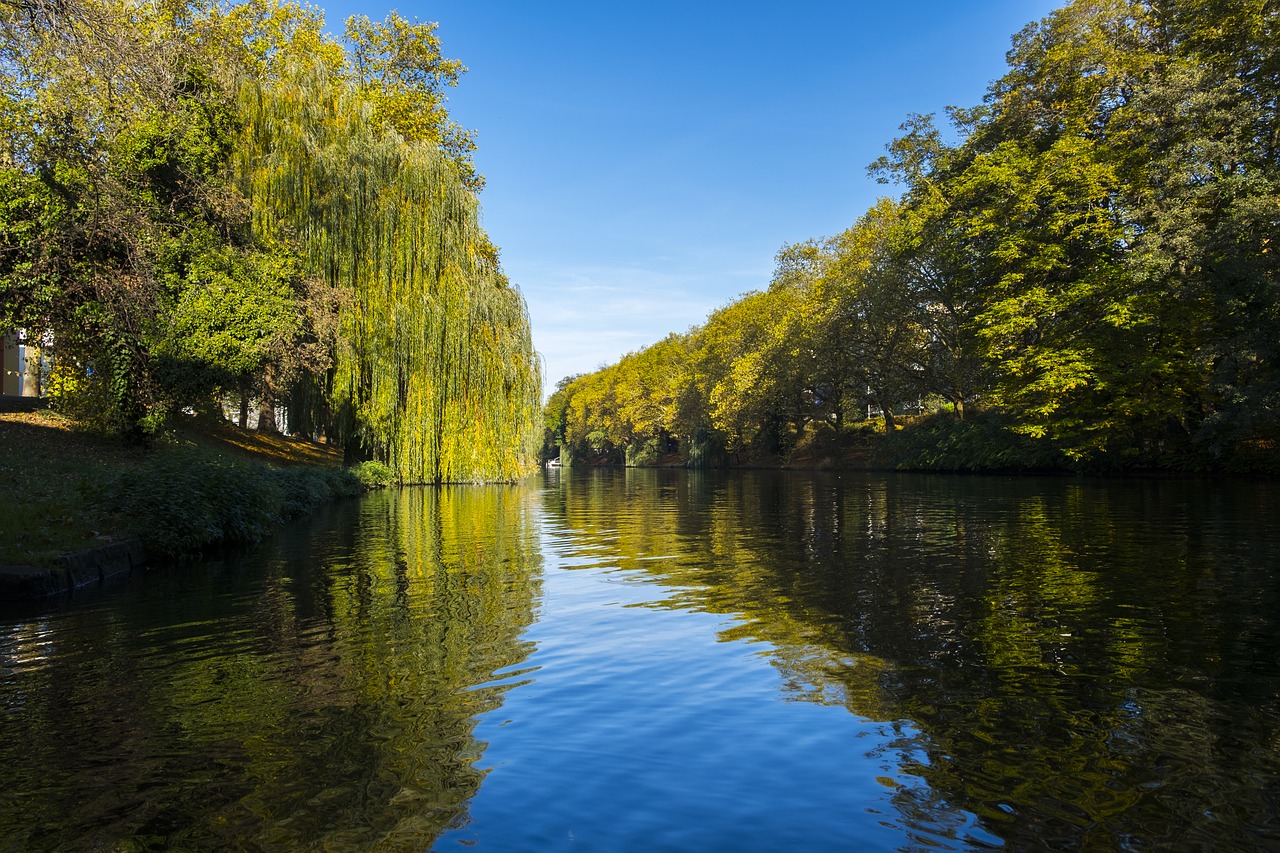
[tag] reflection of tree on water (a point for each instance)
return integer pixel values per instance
(321, 691)
(1079, 663)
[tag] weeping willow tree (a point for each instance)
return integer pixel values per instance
(435, 372)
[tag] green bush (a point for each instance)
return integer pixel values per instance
(374, 475)
(84, 399)
(981, 442)
(705, 449)
(646, 454)
(183, 498)
(305, 487)
(823, 441)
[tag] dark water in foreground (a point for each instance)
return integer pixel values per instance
(645, 660)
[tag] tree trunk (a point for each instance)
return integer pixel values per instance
(244, 410)
(889, 425)
(267, 410)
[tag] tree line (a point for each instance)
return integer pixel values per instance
(202, 202)
(1079, 271)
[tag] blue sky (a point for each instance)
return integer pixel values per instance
(646, 161)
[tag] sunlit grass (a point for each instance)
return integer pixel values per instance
(269, 447)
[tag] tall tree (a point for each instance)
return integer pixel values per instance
(937, 262)
(873, 317)
(435, 371)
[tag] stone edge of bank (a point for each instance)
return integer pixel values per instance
(73, 571)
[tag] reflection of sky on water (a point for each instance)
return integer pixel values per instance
(647, 729)
(1066, 659)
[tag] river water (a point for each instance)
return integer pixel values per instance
(619, 660)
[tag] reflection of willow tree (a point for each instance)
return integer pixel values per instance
(1080, 660)
(333, 710)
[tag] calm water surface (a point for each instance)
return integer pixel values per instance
(662, 660)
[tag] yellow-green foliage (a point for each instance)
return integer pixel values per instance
(435, 371)
(83, 398)
(629, 403)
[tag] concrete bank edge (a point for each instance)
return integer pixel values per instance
(73, 571)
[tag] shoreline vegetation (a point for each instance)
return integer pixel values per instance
(204, 485)
(1078, 274)
(928, 444)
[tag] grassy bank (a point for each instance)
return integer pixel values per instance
(206, 483)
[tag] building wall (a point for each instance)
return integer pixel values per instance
(23, 367)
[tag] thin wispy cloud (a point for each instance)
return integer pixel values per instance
(587, 317)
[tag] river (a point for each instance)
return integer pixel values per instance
(644, 660)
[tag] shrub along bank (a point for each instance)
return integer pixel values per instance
(205, 484)
(184, 497)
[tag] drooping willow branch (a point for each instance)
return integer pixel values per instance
(435, 370)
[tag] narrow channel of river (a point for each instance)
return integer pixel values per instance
(641, 660)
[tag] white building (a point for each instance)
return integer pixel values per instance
(24, 367)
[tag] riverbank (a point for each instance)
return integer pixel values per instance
(79, 502)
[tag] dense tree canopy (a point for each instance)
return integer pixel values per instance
(1091, 263)
(202, 201)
